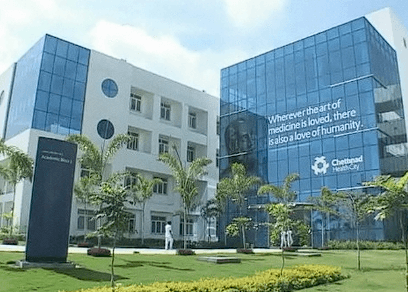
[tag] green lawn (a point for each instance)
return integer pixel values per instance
(381, 270)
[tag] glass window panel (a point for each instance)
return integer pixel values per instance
(81, 73)
(346, 40)
(304, 167)
(79, 91)
(328, 145)
(369, 107)
(363, 70)
(75, 126)
(317, 183)
(316, 147)
(332, 33)
(313, 98)
(350, 73)
(47, 62)
(371, 160)
(348, 57)
(370, 138)
(351, 88)
(51, 123)
(39, 120)
(342, 143)
(41, 101)
(54, 103)
(356, 140)
(63, 125)
(62, 48)
(345, 28)
(50, 44)
(334, 45)
(56, 84)
(66, 106)
(321, 37)
(357, 24)
(321, 49)
(308, 42)
(83, 56)
(343, 180)
(365, 85)
(68, 89)
(70, 69)
(59, 66)
(77, 108)
(359, 36)
(44, 81)
(338, 92)
(73, 52)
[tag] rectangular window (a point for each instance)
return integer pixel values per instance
(165, 111)
(189, 227)
(160, 188)
(133, 144)
(132, 224)
(218, 130)
(158, 224)
(163, 145)
(190, 153)
(86, 220)
(135, 102)
(192, 120)
(130, 180)
(217, 157)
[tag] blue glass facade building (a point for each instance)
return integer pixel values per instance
(49, 88)
(328, 107)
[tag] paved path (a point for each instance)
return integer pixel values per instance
(21, 248)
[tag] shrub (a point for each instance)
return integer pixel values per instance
(99, 252)
(364, 244)
(245, 250)
(185, 252)
(85, 244)
(298, 277)
(10, 241)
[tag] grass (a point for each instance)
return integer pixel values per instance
(381, 270)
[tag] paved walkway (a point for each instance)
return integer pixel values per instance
(21, 248)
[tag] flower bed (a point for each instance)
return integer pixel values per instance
(10, 241)
(295, 278)
(85, 244)
(245, 250)
(185, 252)
(99, 252)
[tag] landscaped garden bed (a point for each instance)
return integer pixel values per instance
(294, 278)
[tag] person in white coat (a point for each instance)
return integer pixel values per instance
(168, 236)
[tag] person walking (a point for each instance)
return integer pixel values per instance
(168, 236)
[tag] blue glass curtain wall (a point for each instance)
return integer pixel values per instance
(325, 107)
(57, 88)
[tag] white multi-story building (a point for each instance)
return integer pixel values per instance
(58, 88)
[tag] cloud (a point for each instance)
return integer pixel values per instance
(251, 13)
(162, 54)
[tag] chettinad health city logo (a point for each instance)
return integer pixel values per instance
(320, 165)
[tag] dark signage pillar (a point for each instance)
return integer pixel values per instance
(50, 212)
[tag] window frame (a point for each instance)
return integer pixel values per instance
(158, 224)
(134, 143)
(165, 111)
(190, 153)
(162, 187)
(164, 144)
(192, 120)
(135, 102)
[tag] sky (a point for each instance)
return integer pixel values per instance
(188, 41)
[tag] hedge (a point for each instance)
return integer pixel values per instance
(294, 278)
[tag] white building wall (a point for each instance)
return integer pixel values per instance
(154, 89)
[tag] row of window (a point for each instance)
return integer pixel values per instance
(133, 144)
(165, 110)
(86, 221)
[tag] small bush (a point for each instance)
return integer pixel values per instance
(99, 252)
(364, 244)
(10, 241)
(245, 250)
(185, 252)
(85, 244)
(298, 277)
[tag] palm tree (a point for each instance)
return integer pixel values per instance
(283, 193)
(186, 181)
(209, 210)
(95, 160)
(393, 201)
(236, 188)
(326, 203)
(141, 192)
(17, 167)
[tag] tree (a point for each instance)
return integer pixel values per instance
(239, 225)
(112, 198)
(186, 181)
(94, 160)
(17, 167)
(392, 201)
(281, 210)
(283, 194)
(237, 186)
(326, 203)
(209, 210)
(141, 192)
